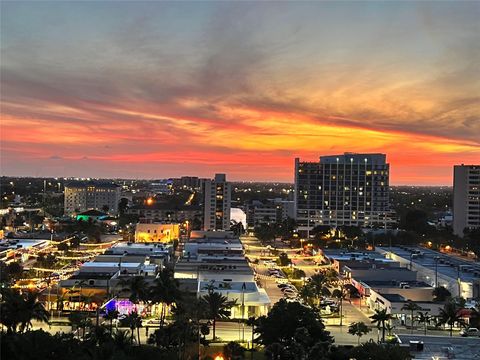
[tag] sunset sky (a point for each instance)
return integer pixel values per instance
(159, 89)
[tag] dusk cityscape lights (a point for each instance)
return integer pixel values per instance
(273, 180)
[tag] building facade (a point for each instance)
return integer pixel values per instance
(267, 212)
(81, 196)
(466, 198)
(349, 189)
(157, 232)
(215, 261)
(217, 203)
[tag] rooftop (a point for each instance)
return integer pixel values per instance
(393, 297)
(447, 265)
(97, 184)
(394, 283)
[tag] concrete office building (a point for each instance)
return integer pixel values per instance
(466, 198)
(217, 203)
(87, 195)
(350, 189)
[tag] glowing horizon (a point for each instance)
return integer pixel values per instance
(158, 90)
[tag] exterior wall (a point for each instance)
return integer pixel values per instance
(414, 294)
(270, 212)
(164, 233)
(217, 203)
(165, 215)
(377, 302)
(349, 189)
(384, 274)
(80, 197)
(466, 198)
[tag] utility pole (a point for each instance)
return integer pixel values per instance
(243, 312)
(459, 282)
(436, 270)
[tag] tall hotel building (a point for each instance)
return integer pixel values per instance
(86, 195)
(217, 203)
(466, 198)
(350, 189)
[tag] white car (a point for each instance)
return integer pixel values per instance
(470, 332)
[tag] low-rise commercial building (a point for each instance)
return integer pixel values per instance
(460, 277)
(215, 261)
(157, 232)
(107, 275)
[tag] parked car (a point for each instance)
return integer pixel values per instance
(470, 332)
(288, 289)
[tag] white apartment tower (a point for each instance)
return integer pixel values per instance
(466, 198)
(217, 203)
(349, 189)
(86, 195)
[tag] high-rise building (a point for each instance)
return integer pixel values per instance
(86, 195)
(217, 203)
(466, 198)
(350, 189)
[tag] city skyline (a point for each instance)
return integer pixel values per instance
(156, 90)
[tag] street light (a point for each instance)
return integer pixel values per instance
(436, 258)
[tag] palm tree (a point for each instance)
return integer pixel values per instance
(133, 321)
(218, 307)
(358, 329)
(33, 310)
(79, 320)
(164, 291)
(450, 315)
(111, 315)
(80, 296)
(411, 306)
(252, 321)
(319, 284)
(137, 288)
(122, 339)
(18, 310)
(424, 318)
(307, 293)
(340, 294)
(380, 318)
(99, 334)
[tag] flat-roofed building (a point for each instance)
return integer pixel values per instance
(460, 277)
(410, 290)
(104, 275)
(81, 196)
(156, 232)
(215, 261)
(466, 198)
(217, 203)
(349, 189)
